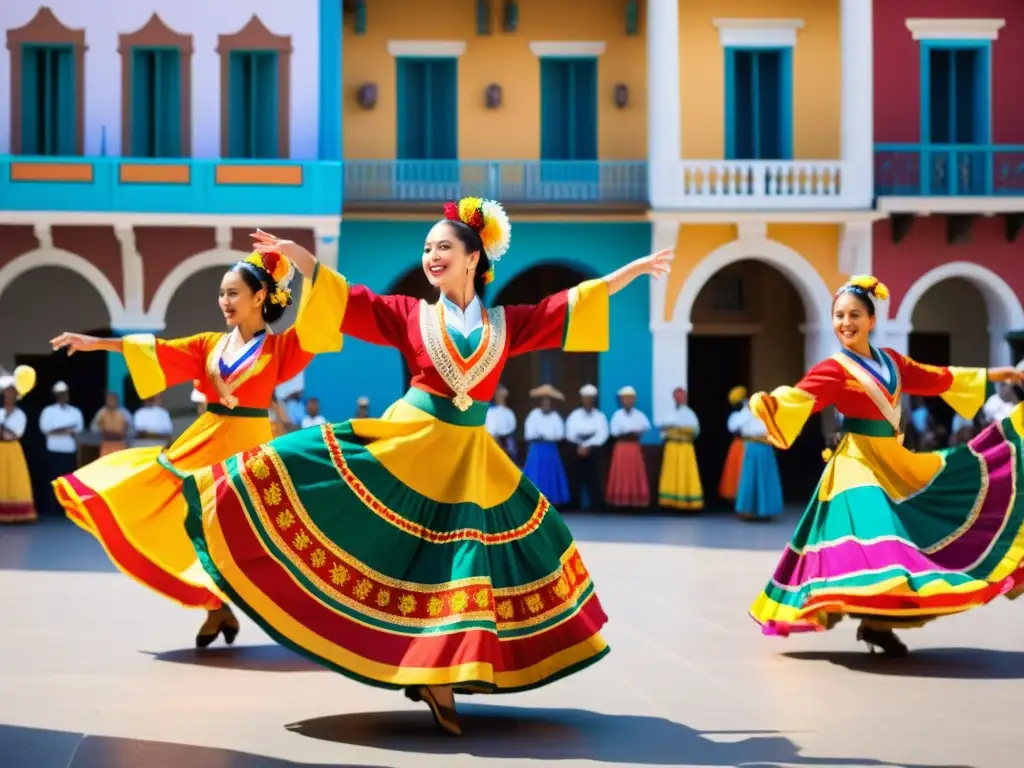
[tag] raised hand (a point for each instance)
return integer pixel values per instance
(657, 264)
(75, 342)
(264, 242)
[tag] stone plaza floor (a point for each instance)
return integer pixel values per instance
(96, 672)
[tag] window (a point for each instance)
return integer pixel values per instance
(48, 100)
(428, 125)
(156, 102)
(568, 112)
(958, 95)
(759, 106)
(252, 107)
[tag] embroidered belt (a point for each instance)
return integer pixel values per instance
(443, 409)
(239, 412)
(868, 427)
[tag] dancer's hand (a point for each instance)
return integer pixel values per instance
(264, 242)
(75, 342)
(229, 402)
(656, 265)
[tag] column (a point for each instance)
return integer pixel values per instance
(327, 244)
(664, 114)
(858, 120)
(669, 338)
(330, 107)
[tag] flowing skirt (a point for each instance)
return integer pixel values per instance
(902, 538)
(545, 470)
(112, 446)
(729, 484)
(131, 501)
(401, 551)
(679, 486)
(16, 503)
(760, 491)
(627, 478)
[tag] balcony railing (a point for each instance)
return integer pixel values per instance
(764, 184)
(557, 182)
(183, 186)
(954, 170)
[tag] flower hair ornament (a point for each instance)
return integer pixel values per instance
(866, 285)
(489, 220)
(278, 268)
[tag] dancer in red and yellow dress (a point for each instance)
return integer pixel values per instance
(16, 502)
(409, 551)
(892, 537)
(131, 500)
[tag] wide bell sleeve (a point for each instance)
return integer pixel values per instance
(156, 364)
(785, 411)
(317, 327)
(377, 319)
(963, 389)
(575, 320)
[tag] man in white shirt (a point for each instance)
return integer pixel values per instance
(60, 423)
(313, 417)
(362, 408)
(1000, 405)
(500, 422)
(152, 424)
(587, 429)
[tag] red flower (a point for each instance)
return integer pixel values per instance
(451, 211)
(270, 262)
(476, 221)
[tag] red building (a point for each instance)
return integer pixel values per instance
(949, 177)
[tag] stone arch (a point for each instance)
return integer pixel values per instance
(216, 257)
(58, 257)
(1005, 312)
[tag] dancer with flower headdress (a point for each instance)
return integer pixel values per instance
(892, 537)
(131, 500)
(409, 552)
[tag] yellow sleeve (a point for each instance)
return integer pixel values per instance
(784, 413)
(966, 393)
(321, 311)
(587, 318)
(156, 364)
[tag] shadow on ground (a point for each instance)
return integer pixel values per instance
(249, 658)
(566, 734)
(939, 663)
(42, 748)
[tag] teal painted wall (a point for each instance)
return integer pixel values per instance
(379, 253)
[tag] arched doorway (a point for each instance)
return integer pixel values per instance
(567, 372)
(748, 329)
(942, 337)
(34, 307)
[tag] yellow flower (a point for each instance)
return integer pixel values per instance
(301, 541)
(383, 597)
(506, 610)
(258, 466)
(561, 589)
(459, 601)
(406, 604)
(468, 206)
(881, 292)
(318, 558)
(339, 574)
(434, 606)
(363, 589)
(285, 519)
(534, 603)
(483, 599)
(272, 496)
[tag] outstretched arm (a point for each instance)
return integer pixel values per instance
(656, 265)
(785, 411)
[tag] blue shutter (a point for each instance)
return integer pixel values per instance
(413, 86)
(769, 101)
(265, 96)
(942, 101)
(759, 104)
(65, 111)
(142, 103)
(444, 111)
(31, 105)
(169, 106)
(742, 103)
(584, 109)
(554, 109)
(238, 94)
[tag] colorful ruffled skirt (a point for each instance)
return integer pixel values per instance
(402, 551)
(679, 484)
(544, 469)
(760, 491)
(628, 485)
(901, 538)
(16, 503)
(729, 483)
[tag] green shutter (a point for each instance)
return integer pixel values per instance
(584, 109)
(265, 100)
(168, 112)
(142, 103)
(444, 112)
(30, 101)
(238, 97)
(65, 107)
(554, 109)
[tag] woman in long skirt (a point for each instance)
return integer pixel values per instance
(16, 502)
(759, 496)
(679, 484)
(409, 552)
(628, 484)
(729, 482)
(544, 430)
(891, 537)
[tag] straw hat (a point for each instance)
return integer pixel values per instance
(546, 390)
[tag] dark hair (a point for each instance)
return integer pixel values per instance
(863, 296)
(471, 241)
(257, 279)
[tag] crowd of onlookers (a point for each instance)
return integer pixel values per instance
(927, 431)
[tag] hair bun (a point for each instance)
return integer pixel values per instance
(870, 285)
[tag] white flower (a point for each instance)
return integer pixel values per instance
(497, 228)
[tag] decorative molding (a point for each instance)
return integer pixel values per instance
(48, 256)
(752, 231)
(447, 49)
(755, 33)
(126, 219)
(156, 313)
(955, 29)
(1004, 308)
(222, 234)
(780, 216)
(132, 269)
(44, 235)
(568, 49)
(855, 247)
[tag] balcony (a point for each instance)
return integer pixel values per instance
(765, 185)
(949, 170)
(568, 184)
(170, 186)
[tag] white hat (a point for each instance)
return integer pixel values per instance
(588, 390)
(363, 401)
(6, 382)
(626, 391)
(197, 396)
(59, 387)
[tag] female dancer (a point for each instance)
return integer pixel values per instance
(892, 537)
(729, 482)
(409, 551)
(16, 502)
(131, 500)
